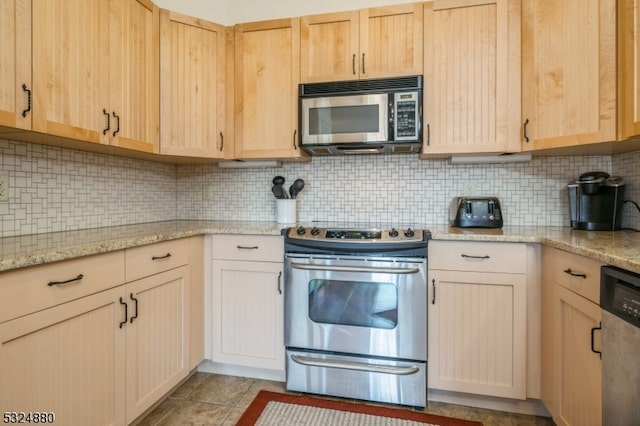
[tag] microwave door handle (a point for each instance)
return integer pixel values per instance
(365, 269)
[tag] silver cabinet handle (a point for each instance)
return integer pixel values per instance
(355, 269)
(247, 247)
(279, 282)
(352, 365)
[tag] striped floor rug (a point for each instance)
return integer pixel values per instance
(278, 409)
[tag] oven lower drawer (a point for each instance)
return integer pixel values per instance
(382, 380)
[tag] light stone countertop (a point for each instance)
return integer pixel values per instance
(620, 248)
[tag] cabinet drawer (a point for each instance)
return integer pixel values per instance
(577, 273)
(261, 248)
(25, 291)
(478, 256)
(155, 258)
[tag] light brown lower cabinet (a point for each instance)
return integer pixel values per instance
(67, 360)
(571, 387)
(477, 308)
(101, 358)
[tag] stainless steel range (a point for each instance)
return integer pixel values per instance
(356, 313)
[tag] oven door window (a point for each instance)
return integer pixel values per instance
(356, 303)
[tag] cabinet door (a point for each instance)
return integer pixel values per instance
(568, 73)
(15, 57)
(391, 41)
(628, 68)
(68, 360)
(477, 333)
(248, 314)
(267, 60)
(157, 337)
(192, 86)
(578, 368)
(70, 68)
(472, 77)
(134, 74)
(329, 47)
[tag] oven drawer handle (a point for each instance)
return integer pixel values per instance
(355, 269)
(352, 365)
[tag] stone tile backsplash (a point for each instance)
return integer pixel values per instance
(57, 189)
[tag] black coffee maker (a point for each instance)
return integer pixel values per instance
(595, 201)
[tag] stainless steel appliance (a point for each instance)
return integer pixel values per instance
(356, 313)
(378, 116)
(620, 302)
(595, 201)
(475, 212)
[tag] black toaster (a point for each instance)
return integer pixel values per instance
(475, 212)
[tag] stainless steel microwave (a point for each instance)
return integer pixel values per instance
(376, 116)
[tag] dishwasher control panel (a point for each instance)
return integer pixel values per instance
(620, 293)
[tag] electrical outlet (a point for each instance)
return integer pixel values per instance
(469, 189)
(4, 188)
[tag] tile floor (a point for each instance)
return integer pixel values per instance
(213, 399)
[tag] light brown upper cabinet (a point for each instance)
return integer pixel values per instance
(267, 73)
(628, 68)
(192, 87)
(568, 73)
(370, 43)
(15, 72)
(95, 71)
(472, 77)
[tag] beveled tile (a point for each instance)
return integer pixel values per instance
(213, 399)
(192, 383)
(160, 412)
(220, 389)
(256, 386)
(196, 413)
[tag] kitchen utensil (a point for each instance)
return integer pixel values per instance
(278, 189)
(279, 192)
(296, 187)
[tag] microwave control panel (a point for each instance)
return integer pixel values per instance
(406, 118)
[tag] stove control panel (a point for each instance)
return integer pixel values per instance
(356, 235)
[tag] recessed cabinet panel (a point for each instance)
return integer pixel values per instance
(569, 72)
(67, 360)
(134, 72)
(15, 72)
(472, 77)
(369, 43)
(192, 86)
(267, 61)
(70, 68)
(628, 68)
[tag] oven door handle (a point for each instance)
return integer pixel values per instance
(366, 269)
(352, 365)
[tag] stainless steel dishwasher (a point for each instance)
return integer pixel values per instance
(620, 302)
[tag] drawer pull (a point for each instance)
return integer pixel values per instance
(573, 274)
(593, 349)
(134, 316)
(468, 256)
(78, 278)
(126, 316)
(247, 247)
(433, 283)
(166, 256)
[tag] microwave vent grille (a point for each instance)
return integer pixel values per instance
(358, 86)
